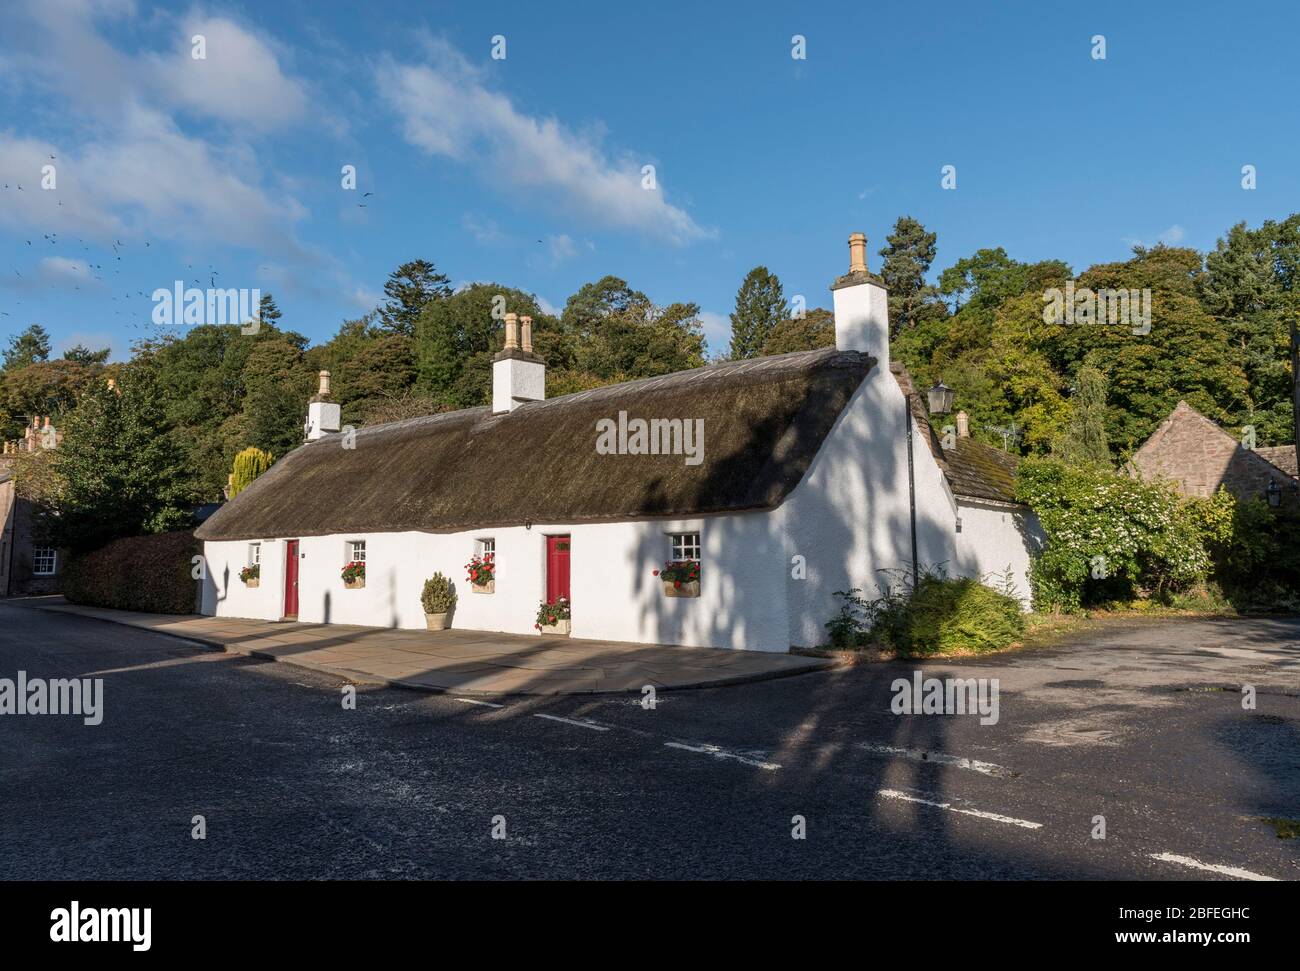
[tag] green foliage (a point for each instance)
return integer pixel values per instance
(760, 306)
(409, 289)
(548, 614)
(1084, 441)
(249, 464)
(147, 573)
(119, 474)
(1256, 554)
(82, 354)
(814, 330)
(32, 345)
(908, 256)
(438, 597)
(941, 615)
(1145, 535)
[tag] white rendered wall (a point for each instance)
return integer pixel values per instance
(515, 381)
(862, 321)
(993, 537)
(615, 595)
(849, 517)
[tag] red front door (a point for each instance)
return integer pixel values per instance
(291, 579)
(557, 568)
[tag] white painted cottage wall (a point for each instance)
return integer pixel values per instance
(994, 536)
(849, 518)
(615, 594)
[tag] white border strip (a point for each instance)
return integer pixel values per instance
(475, 701)
(1023, 823)
(960, 762)
(718, 753)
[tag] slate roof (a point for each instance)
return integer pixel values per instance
(1282, 456)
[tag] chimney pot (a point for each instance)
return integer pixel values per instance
(526, 334)
(324, 384)
(963, 425)
(512, 331)
(858, 253)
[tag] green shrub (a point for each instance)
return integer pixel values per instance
(940, 616)
(249, 464)
(1110, 536)
(438, 596)
(147, 573)
(960, 615)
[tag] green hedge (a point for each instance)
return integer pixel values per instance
(147, 573)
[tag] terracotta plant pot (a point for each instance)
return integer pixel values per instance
(255, 582)
(560, 627)
(354, 584)
(689, 588)
(489, 587)
(436, 621)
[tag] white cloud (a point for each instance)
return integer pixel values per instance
(1173, 235)
(446, 110)
(717, 332)
(239, 81)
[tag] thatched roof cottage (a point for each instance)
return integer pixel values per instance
(785, 478)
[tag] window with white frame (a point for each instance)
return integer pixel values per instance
(686, 546)
(254, 554)
(487, 546)
(44, 561)
(356, 551)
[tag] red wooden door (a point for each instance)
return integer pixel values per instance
(557, 568)
(291, 579)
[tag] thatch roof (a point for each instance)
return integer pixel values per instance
(764, 421)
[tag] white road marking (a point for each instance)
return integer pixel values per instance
(718, 753)
(1024, 823)
(1227, 871)
(475, 701)
(572, 721)
(920, 755)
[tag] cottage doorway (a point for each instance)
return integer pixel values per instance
(557, 568)
(291, 579)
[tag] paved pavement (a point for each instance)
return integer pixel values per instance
(468, 662)
(1142, 723)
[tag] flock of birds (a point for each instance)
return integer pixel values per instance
(100, 272)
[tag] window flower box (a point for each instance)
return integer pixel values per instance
(482, 573)
(680, 578)
(251, 575)
(554, 617)
(354, 575)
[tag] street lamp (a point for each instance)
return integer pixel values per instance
(940, 398)
(1273, 493)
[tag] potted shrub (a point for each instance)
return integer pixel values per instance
(482, 573)
(554, 617)
(354, 576)
(439, 599)
(680, 578)
(251, 575)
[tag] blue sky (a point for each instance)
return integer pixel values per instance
(528, 170)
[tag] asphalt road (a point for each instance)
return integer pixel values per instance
(1142, 724)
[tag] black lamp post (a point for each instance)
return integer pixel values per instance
(940, 404)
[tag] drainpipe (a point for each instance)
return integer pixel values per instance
(911, 480)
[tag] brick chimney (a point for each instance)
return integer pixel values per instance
(518, 375)
(861, 307)
(323, 415)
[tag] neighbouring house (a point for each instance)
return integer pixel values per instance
(785, 478)
(1197, 455)
(28, 564)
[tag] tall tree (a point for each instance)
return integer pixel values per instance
(908, 254)
(30, 346)
(1085, 441)
(268, 311)
(760, 306)
(409, 289)
(82, 354)
(118, 473)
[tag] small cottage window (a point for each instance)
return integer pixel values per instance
(356, 551)
(486, 547)
(254, 554)
(686, 546)
(44, 560)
